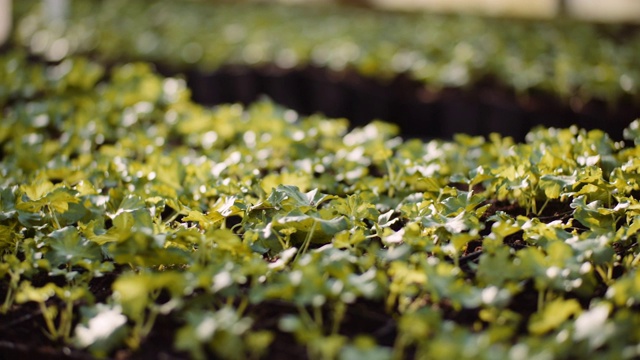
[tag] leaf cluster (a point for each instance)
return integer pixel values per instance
(472, 248)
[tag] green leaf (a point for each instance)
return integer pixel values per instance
(37, 190)
(59, 200)
(591, 325)
(127, 203)
(273, 181)
(429, 184)
(258, 342)
(226, 240)
(56, 199)
(498, 267)
(67, 246)
(463, 201)
(303, 223)
(7, 203)
(327, 347)
(460, 240)
(589, 215)
(625, 291)
(134, 291)
(102, 329)
(203, 221)
(554, 185)
(8, 238)
(420, 324)
(553, 315)
(144, 249)
(384, 220)
(349, 238)
(454, 225)
(292, 197)
(124, 225)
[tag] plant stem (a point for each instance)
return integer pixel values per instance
(339, 309)
(66, 318)
(242, 306)
(307, 241)
(398, 347)
(8, 301)
(53, 216)
(148, 325)
(541, 299)
(306, 317)
(391, 178)
(284, 244)
(542, 208)
(317, 316)
(606, 273)
(51, 326)
(391, 300)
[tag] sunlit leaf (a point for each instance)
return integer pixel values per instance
(554, 314)
(67, 246)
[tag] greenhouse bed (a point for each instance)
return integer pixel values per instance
(481, 109)
(135, 223)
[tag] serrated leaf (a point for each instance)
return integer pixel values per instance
(299, 198)
(295, 198)
(38, 189)
(57, 200)
(68, 247)
(196, 216)
(457, 224)
(588, 214)
(304, 222)
(554, 185)
(131, 203)
(60, 199)
(124, 225)
(463, 201)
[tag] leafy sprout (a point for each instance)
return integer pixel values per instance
(209, 218)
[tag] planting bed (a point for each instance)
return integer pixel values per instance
(481, 109)
(135, 223)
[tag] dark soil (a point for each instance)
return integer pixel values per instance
(480, 109)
